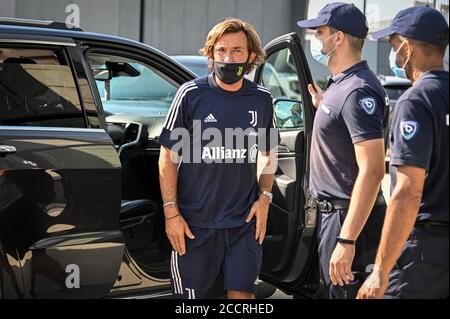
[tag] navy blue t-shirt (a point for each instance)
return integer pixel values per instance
(354, 108)
(217, 177)
(419, 137)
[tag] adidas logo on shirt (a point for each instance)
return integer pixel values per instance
(210, 119)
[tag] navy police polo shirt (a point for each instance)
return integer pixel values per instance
(419, 137)
(354, 108)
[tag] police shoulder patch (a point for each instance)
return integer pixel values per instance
(409, 129)
(368, 104)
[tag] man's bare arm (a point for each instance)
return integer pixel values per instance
(370, 160)
(400, 216)
(168, 178)
(176, 226)
(266, 167)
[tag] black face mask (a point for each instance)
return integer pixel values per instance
(230, 73)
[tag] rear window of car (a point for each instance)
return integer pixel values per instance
(395, 91)
(37, 88)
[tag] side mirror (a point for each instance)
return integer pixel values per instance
(102, 74)
(289, 113)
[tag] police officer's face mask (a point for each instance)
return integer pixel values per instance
(230, 73)
(317, 47)
(398, 71)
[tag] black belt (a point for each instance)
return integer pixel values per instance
(330, 205)
(431, 224)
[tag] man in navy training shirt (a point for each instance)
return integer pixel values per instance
(412, 260)
(209, 179)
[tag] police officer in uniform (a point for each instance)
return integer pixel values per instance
(412, 260)
(347, 151)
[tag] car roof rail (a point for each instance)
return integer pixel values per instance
(39, 23)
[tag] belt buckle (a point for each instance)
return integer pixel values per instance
(326, 206)
(330, 207)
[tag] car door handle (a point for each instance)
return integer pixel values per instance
(7, 150)
(281, 149)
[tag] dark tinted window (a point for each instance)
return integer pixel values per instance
(37, 88)
(395, 91)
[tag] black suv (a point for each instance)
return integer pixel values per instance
(80, 205)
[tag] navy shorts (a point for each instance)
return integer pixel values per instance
(216, 261)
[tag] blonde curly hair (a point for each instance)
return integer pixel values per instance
(233, 25)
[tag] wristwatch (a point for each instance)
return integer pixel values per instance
(269, 195)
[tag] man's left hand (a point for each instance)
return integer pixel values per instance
(260, 209)
(341, 264)
(374, 287)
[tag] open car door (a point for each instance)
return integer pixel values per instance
(290, 259)
(59, 178)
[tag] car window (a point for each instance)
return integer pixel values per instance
(197, 64)
(279, 75)
(198, 69)
(395, 91)
(37, 88)
(129, 87)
